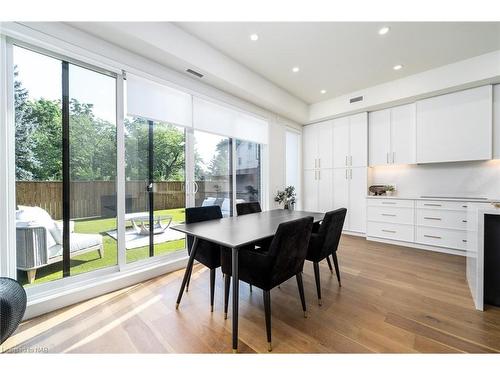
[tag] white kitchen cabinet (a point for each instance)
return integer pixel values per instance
(341, 142)
(341, 190)
(325, 190)
(455, 127)
(392, 136)
(350, 141)
(496, 122)
(310, 190)
(318, 151)
(357, 196)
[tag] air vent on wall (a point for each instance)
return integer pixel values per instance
(356, 99)
(195, 73)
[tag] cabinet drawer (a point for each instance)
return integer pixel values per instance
(455, 239)
(390, 202)
(398, 215)
(398, 232)
(446, 205)
(442, 218)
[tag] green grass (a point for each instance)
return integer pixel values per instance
(90, 261)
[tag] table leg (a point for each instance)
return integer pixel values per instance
(235, 298)
(189, 267)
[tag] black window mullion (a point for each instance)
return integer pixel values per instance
(150, 187)
(232, 195)
(65, 169)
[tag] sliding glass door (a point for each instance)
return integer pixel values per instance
(213, 171)
(155, 187)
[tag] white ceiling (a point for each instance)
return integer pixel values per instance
(342, 57)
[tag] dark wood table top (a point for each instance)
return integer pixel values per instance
(238, 231)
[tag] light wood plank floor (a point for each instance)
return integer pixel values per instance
(392, 299)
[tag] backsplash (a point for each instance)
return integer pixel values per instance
(472, 179)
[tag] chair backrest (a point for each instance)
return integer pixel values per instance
(198, 214)
(12, 306)
(247, 208)
(330, 230)
(289, 248)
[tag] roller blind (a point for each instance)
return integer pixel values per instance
(215, 118)
(157, 102)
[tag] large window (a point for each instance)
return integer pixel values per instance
(65, 120)
(248, 171)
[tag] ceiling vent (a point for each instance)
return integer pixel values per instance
(356, 99)
(195, 73)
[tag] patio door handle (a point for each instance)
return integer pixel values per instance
(196, 187)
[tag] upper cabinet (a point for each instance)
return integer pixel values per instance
(350, 141)
(317, 150)
(392, 136)
(455, 127)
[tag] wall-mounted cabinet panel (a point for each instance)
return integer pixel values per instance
(325, 141)
(310, 146)
(392, 136)
(341, 142)
(496, 122)
(358, 140)
(455, 127)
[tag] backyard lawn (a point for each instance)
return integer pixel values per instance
(91, 261)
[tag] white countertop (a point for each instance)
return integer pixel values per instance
(461, 199)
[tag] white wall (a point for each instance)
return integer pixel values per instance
(474, 179)
(463, 74)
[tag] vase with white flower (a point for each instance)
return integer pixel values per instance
(286, 197)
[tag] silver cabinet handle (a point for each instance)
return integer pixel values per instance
(429, 236)
(464, 240)
(346, 160)
(319, 175)
(432, 204)
(388, 231)
(315, 163)
(315, 175)
(393, 153)
(464, 206)
(350, 173)
(350, 160)
(388, 202)
(389, 215)
(319, 162)
(346, 174)
(464, 221)
(432, 218)
(387, 158)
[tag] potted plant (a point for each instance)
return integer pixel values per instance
(287, 197)
(389, 190)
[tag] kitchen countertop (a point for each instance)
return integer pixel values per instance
(406, 197)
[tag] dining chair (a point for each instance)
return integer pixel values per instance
(324, 243)
(283, 260)
(207, 253)
(247, 208)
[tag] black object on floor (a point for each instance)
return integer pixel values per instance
(12, 306)
(492, 260)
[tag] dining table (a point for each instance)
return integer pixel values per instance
(235, 233)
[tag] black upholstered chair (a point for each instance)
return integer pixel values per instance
(12, 306)
(248, 208)
(283, 260)
(207, 253)
(324, 243)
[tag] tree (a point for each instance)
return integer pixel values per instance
(219, 165)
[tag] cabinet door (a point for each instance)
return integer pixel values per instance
(310, 146)
(325, 190)
(403, 134)
(325, 144)
(379, 137)
(310, 190)
(357, 199)
(341, 142)
(358, 140)
(455, 127)
(341, 191)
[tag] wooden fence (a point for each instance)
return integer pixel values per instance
(87, 197)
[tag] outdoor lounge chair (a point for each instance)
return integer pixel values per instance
(39, 240)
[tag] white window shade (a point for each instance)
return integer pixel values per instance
(157, 102)
(215, 118)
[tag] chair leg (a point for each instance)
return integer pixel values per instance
(267, 309)
(227, 286)
(250, 288)
(329, 264)
(300, 284)
(336, 264)
(188, 279)
(318, 283)
(212, 288)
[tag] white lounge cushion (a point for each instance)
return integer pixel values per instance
(78, 241)
(41, 217)
(209, 201)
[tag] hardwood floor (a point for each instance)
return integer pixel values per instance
(392, 299)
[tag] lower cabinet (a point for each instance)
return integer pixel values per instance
(434, 225)
(318, 190)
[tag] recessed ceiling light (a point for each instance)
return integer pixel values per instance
(295, 69)
(323, 91)
(384, 30)
(254, 37)
(397, 67)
